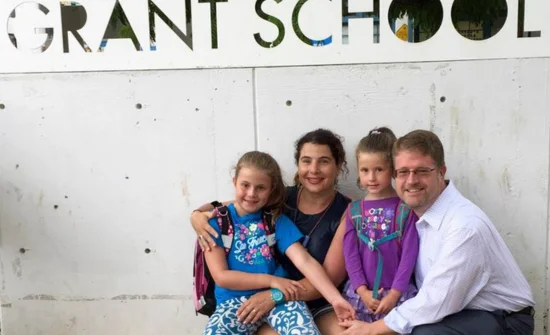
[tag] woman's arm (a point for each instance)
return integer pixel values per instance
(320, 280)
(199, 220)
(333, 265)
(312, 270)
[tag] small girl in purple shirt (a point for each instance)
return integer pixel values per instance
(381, 241)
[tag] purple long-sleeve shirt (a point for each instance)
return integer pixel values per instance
(399, 256)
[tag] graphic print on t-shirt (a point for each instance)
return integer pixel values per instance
(250, 244)
(377, 222)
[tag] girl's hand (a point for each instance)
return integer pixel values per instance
(199, 221)
(371, 303)
(343, 309)
(255, 307)
(288, 287)
(388, 302)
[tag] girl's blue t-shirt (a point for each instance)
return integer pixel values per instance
(250, 251)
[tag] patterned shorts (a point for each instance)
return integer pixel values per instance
(292, 317)
(362, 312)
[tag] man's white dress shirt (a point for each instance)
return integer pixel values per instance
(463, 263)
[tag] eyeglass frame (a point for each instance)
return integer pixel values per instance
(419, 172)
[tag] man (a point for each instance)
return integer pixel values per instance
(468, 281)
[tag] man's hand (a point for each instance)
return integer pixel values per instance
(356, 327)
(362, 328)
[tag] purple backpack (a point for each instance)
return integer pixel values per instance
(203, 283)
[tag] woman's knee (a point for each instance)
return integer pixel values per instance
(328, 324)
(265, 329)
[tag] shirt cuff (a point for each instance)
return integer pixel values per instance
(396, 322)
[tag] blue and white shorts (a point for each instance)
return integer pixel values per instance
(292, 317)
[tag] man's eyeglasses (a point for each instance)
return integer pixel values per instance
(420, 172)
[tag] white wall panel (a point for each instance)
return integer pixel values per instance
(492, 117)
(88, 182)
(125, 179)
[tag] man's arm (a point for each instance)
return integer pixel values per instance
(453, 281)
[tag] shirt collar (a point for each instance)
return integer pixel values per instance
(436, 213)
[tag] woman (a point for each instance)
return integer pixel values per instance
(316, 208)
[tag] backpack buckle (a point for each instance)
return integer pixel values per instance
(371, 245)
(222, 211)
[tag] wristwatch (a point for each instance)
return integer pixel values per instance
(277, 296)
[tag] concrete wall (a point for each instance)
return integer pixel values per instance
(97, 167)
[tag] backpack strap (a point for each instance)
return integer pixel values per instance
(226, 226)
(401, 214)
(355, 211)
(269, 227)
(270, 232)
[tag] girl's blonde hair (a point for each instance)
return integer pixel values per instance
(266, 163)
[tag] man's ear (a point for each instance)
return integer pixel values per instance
(443, 171)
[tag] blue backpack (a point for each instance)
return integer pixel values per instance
(356, 215)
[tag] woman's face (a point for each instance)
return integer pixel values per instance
(317, 168)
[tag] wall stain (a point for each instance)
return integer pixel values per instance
(16, 266)
(402, 91)
(152, 297)
(455, 124)
(504, 182)
(432, 107)
(185, 191)
(442, 66)
(49, 297)
(2, 274)
(481, 173)
(18, 193)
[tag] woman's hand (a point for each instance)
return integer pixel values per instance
(255, 307)
(288, 287)
(199, 221)
(343, 309)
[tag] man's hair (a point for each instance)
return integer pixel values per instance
(423, 141)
